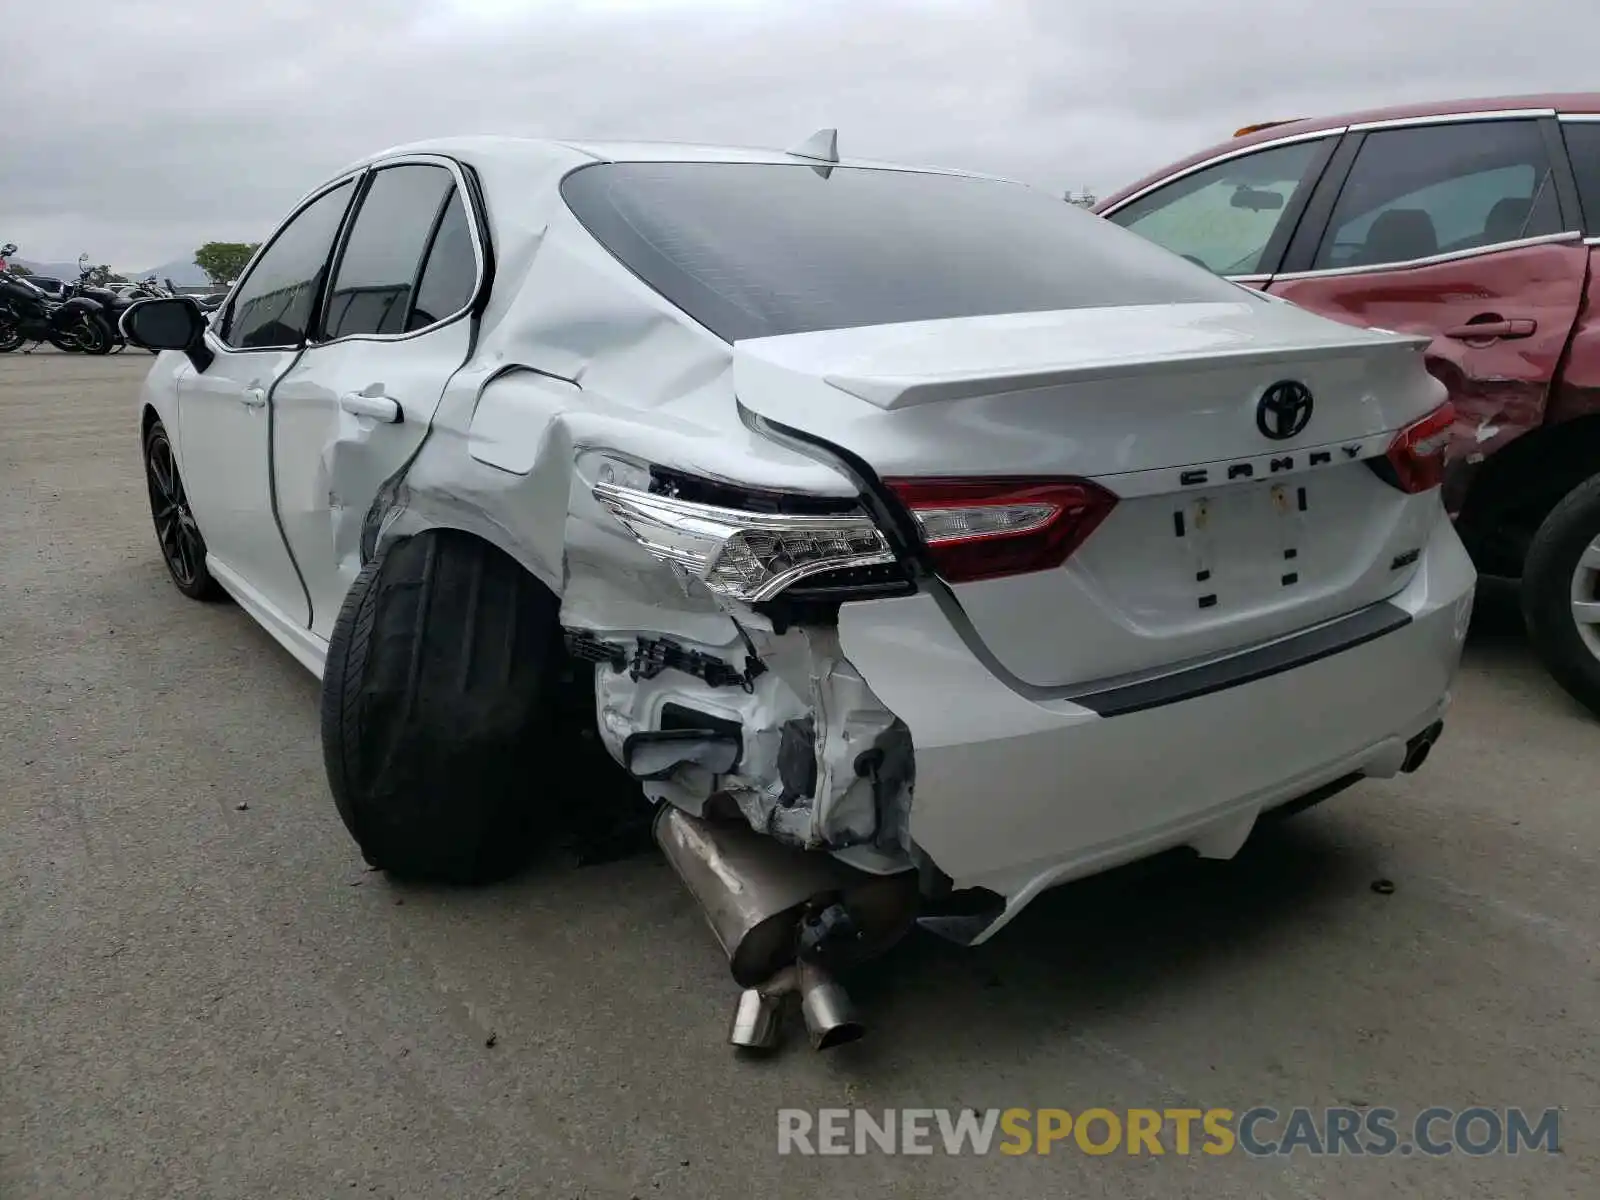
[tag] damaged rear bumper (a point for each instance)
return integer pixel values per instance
(893, 743)
(1016, 794)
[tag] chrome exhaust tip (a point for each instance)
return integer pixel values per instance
(755, 1020)
(830, 1017)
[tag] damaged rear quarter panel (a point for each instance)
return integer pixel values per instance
(575, 357)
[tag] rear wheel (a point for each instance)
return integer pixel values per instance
(94, 335)
(183, 549)
(438, 699)
(1561, 593)
(10, 336)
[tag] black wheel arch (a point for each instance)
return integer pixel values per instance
(1511, 493)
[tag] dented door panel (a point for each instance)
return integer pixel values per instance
(329, 462)
(1501, 385)
(1577, 389)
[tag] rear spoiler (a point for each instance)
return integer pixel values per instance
(889, 392)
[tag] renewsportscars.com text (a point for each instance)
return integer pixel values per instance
(1257, 1132)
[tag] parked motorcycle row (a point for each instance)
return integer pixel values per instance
(82, 319)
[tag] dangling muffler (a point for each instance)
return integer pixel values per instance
(787, 919)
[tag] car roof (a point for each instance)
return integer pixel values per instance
(1561, 102)
(510, 151)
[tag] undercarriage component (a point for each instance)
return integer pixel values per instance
(756, 893)
(756, 1020)
(825, 1006)
(830, 1017)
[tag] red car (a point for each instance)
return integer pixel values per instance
(1474, 222)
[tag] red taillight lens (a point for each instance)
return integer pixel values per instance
(987, 528)
(1416, 456)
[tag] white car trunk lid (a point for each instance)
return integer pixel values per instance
(1222, 536)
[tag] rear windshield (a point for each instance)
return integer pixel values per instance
(757, 250)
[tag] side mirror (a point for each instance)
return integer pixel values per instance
(168, 323)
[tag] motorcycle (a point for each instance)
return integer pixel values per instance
(27, 313)
(113, 303)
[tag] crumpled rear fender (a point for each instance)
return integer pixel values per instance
(502, 462)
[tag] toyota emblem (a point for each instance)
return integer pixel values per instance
(1284, 410)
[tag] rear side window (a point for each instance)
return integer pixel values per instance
(450, 275)
(1226, 216)
(1583, 148)
(383, 255)
(756, 250)
(1438, 189)
(274, 303)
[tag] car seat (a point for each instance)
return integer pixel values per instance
(1507, 220)
(1398, 235)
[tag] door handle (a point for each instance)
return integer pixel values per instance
(380, 408)
(253, 397)
(1472, 331)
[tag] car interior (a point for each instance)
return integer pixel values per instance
(1402, 222)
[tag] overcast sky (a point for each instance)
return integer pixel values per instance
(137, 129)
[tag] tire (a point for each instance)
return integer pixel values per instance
(442, 679)
(94, 335)
(10, 337)
(1563, 570)
(183, 547)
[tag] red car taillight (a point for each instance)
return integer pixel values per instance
(988, 528)
(1416, 456)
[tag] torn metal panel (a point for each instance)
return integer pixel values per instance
(1577, 390)
(822, 763)
(862, 765)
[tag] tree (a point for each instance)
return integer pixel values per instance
(18, 269)
(103, 276)
(223, 262)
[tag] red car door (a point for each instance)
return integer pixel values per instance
(1457, 231)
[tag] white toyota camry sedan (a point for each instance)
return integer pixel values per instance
(913, 540)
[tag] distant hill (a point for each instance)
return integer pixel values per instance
(184, 274)
(53, 270)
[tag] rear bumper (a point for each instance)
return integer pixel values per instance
(1019, 793)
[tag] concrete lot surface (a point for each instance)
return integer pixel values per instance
(203, 993)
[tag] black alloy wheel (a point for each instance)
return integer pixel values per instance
(182, 547)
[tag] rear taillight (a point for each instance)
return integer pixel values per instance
(745, 545)
(988, 528)
(1415, 459)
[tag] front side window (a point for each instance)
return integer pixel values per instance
(1438, 189)
(274, 303)
(765, 249)
(382, 257)
(1225, 217)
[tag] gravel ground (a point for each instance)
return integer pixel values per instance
(203, 993)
